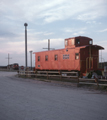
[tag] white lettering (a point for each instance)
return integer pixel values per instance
(66, 56)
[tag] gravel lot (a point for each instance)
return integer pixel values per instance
(26, 99)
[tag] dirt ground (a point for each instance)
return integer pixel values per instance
(32, 99)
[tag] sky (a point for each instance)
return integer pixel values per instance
(49, 19)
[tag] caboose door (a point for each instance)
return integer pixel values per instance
(95, 63)
(83, 56)
(89, 63)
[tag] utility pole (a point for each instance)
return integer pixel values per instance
(31, 58)
(8, 59)
(49, 45)
(26, 44)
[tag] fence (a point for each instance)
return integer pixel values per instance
(98, 82)
(71, 75)
(8, 70)
(49, 74)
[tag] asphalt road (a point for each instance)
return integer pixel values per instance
(26, 99)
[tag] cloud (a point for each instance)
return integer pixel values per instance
(14, 13)
(78, 9)
(104, 30)
(88, 16)
(76, 31)
(45, 20)
(95, 9)
(51, 11)
(37, 45)
(17, 49)
(93, 22)
(29, 10)
(46, 33)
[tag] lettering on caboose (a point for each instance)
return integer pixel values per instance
(65, 56)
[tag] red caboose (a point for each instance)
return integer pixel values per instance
(79, 54)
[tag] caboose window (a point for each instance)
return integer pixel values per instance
(46, 58)
(77, 41)
(72, 41)
(38, 58)
(56, 57)
(90, 42)
(66, 42)
(76, 56)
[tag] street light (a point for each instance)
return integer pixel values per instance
(26, 44)
(31, 58)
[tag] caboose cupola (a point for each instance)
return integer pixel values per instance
(78, 41)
